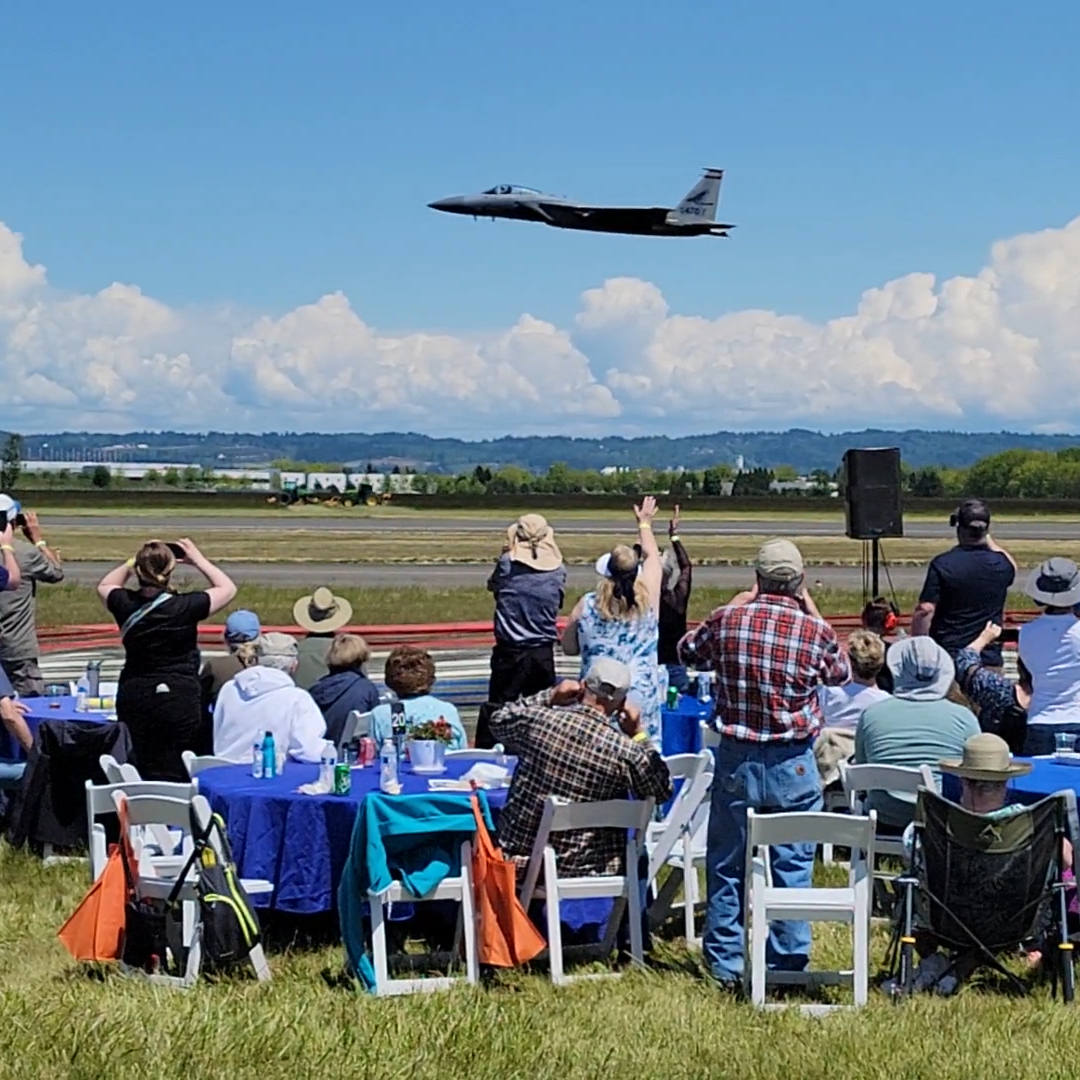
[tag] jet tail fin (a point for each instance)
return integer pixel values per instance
(701, 201)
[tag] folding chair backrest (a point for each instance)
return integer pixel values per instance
(696, 773)
(196, 763)
(562, 815)
(710, 737)
(173, 813)
(858, 780)
(812, 827)
(110, 767)
(985, 874)
(356, 725)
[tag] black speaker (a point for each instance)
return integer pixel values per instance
(872, 507)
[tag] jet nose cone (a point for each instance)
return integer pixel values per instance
(451, 203)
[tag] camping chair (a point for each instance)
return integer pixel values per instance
(561, 815)
(99, 804)
(982, 884)
(152, 882)
(678, 841)
(765, 901)
(195, 763)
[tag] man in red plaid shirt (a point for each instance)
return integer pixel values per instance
(770, 650)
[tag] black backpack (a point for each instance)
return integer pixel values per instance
(230, 927)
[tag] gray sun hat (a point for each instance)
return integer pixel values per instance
(608, 679)
(1056, 583)
(921, 669)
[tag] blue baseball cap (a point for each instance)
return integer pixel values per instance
(242, 626)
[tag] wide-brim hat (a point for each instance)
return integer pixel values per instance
(1056, 583)
(322, 612)
(531, 541)
(986, 757)
(921, 669)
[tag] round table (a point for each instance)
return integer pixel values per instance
(680, 727)
(48, 708)
(300, 842)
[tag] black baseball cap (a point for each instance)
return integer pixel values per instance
(971, 514)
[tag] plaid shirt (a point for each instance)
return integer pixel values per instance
(574, 752)
(769, 656)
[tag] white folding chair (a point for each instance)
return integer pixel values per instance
(859, 780)
(196, 763)
(459, 888)
(678, 841)
(710, 737)
(153, 882)
(561, 815)
(356, 724)
(99, 804)
(765, 901)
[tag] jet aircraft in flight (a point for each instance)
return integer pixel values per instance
(694, 216)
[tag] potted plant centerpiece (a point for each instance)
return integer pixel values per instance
(427, 743)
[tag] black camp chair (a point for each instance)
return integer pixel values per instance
(981, 885)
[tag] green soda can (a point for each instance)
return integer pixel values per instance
(342, 778)
(672, 696)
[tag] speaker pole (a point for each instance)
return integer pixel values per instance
(875, 548)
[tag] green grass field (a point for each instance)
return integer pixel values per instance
(73, 604)
(665, 1021)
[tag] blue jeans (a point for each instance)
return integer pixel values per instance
(763, 777)
(678, 677)
(11, 773)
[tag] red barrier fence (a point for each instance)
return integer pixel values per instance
(440, 636)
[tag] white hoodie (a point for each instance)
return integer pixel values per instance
(262, 699)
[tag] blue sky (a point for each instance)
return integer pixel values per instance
(242, 160)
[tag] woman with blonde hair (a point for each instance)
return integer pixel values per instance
(159, 697)
(620, 617)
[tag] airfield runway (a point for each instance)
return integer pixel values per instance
(174, 524)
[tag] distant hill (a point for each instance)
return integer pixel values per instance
(805, 450)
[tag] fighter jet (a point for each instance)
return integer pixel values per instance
(694, 216)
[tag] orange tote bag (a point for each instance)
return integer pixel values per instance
(95, 929)
(506, 937)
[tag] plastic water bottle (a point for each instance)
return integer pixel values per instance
(500, 754)
(388, 767)
(82, 691)
(704, 686)
(326, 766)
(269, 756)
(257, 761)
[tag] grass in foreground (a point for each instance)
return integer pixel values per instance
(662, 1022)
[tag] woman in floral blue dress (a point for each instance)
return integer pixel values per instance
(620, 617)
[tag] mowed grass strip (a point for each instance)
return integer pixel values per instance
(293, 544)
(72, 604)
(665, 1021)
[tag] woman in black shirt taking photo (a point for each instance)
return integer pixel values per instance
(158, 697)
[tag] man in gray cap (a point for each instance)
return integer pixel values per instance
(770, 650)
(582, 741)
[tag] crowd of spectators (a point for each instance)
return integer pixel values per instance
(790, 701)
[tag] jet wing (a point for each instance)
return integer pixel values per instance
(603, 218)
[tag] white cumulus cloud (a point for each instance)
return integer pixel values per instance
(999, 348)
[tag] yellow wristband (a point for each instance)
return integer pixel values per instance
(639, 737)
(40, 543)
(674, 538)
(130, 564)
(6, 547)
(645, 525)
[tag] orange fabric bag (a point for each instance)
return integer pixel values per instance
(95, 929)
(506, 936)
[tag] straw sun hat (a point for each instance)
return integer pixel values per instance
(986, 757)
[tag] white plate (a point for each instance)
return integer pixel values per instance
(1066, 759)
(428, 770)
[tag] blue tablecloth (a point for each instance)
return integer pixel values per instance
(47, 708)
(1046, 777)
(300, 842)
(680, 728)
